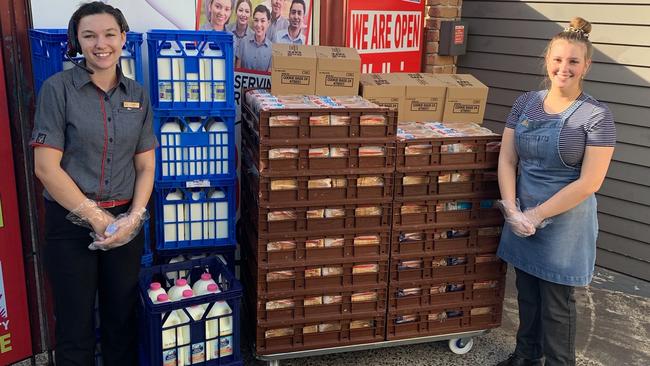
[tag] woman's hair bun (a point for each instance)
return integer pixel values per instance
(581, 24)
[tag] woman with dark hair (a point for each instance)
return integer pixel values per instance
(218, 13)
(555, 153)
(94, 153)
(240, 28)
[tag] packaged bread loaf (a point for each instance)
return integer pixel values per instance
(313, 300)
(372, 120)
(339, 152)
(332, 299)
(409, 264)
(410, 291)
(361, 324)
(334, 212)
(370, 182)
(329, 327)
(280, 304)
(278, 332)
(438, 289)
(323, 120)
(456, 260)
(439, 262)
(313, 272)
(486, 258)
(284, 184)
(409, 318)
(484, 310)
(280, 245)
(457, 148)
(422, 149)
(366, 240)
(319, 152)
(455, 287)
(332, 271)
(407, 237)
(365, 268)
(367, 211)
(339, 120)
(333, 242)
(487, 284)
(372, 151)
(283, 153)
(318, 213)
(339, 182)
(284, 121)
(412, 208)
(319, 183)
(308, 329)
(410, 180)
(280, 275)
(314, 243)
(364, 296)
(281, 215)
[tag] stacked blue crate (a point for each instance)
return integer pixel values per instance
(191, 79)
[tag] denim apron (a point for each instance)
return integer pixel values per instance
(564, 251)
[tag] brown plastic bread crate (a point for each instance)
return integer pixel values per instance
(436, 153)
(324, 217)
(315, 335)
(482, 238)
(424, 268)
(454, 290)
(316, 277)
(446, 182)
(327, 187)
(319, 248)
(336, 304)
(433, 211)
(349, 123)
(443, 320)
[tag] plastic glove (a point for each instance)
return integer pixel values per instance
(89, 215)
(519, 223)
(121, 231)
(534, 216)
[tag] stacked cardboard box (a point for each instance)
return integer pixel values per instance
(317, 185)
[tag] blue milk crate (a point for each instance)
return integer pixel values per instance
(190, 70)
(147, 255)
(195, 218)
(194, 146)
(224, 252)
(49, 47)
(205, 336)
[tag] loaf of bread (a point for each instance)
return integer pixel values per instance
(364, 296)
(339, 152)
(410, 180)
(280, 304)
(365, 268)
(372, 151)
(360, 324)
(280, 275)
(367, 211)
(283, 153)
(332, 299)
(281, 215)
(280, 245)
(412, 208)
(313, 300)
(372, 120)
(339, 120)
(319, 152)
(278, 332)
(366, 240)
(319, 183)
(422, 149)
(284, 184)
(323, 120)
(370, 182)
(284, 121)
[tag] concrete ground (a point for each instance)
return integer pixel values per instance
(613, 330)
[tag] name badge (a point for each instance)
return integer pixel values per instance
(131, 105)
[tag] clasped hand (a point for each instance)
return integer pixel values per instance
(121, 231)
(524, 223)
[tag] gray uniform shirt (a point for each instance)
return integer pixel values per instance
(98, 132)
(255, 56)
(233, 29)
(279, 24)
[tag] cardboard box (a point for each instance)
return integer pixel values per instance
(386, 90)
(293, 69)
(466, 98)
(424, 98)
(338, 71)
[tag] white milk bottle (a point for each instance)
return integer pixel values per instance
(171, 155)
(173, 276)
(200, 287)
(175, 293)
(217, 72)
(154, 290)
(128, 68)
(169, 354)
(183, 333)
(197, 156)
(218, 331)
(174, 217)
(218, 215)
(196, 312)
(218, 155)
(192, 75)
(197, 217)
(165, 71)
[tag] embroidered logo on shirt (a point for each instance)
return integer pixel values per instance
(131, 104)
(40, 139)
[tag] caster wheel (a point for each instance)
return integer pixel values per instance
(461, 346)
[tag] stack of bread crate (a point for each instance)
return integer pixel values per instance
(317, 184)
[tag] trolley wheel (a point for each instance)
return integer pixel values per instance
(461, 346)
(273, 363)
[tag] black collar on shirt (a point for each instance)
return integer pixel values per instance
(81, 77)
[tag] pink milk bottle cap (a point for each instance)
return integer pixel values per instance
(188, 293)
(154, 286)
(181, 282)
(206, 276)
(162, 298)
(213, 287)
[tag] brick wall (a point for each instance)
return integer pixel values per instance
(437, 10)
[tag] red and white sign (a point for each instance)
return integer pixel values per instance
(387, 33)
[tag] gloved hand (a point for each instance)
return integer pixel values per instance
(534, 216)
(125, 227)
(519, 223)
(89, 215)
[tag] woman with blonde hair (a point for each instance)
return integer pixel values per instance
(555, 152)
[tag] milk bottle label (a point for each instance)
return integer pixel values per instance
(169, 357)
(165, 91)
(225, 346)
(219, 91)
(198, 352)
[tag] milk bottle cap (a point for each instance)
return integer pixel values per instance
(162, 298)
(181, 282)
(206, 276)
(154, 286)
(188, 293)
(213, 287)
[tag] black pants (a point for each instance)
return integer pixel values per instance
(547, 320)
(76, 275)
